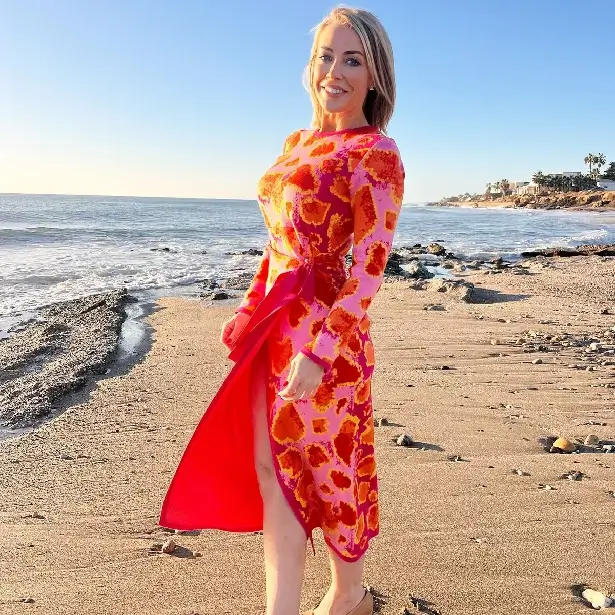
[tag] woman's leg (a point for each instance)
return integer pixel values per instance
(284, 537)
(346, 589)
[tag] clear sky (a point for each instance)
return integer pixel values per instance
(195, 97)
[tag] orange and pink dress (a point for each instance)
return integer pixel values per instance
(326, 194)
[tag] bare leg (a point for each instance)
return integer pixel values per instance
(346, 589)
(284, 537)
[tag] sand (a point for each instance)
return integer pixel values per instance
(80, 496)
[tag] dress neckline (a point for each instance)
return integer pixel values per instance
(360, 130)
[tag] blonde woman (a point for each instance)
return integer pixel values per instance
(287, 444)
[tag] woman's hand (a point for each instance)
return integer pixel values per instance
(232, 328)
(304, 378)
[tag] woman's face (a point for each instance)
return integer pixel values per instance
(340, 76)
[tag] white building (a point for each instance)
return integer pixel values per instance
(528, 188)
(607, 184)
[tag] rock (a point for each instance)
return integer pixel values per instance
(250, 252)
(449, 264)
(608, 448)
(405, 440)
(28, 600)
(431, 307)
(594, 346)
(563, 445)
(417, 270)
(436, 248)
(220, 295)
(574, 475)
(592, 440)
(240, 282)
(597, 599)
(169, 546)
(458, 289)
(197, 554)
(521, 473)
(536, 361)
(383, 422)
(547, 487)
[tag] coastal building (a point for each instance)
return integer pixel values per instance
(517, 186)
(528, 188)
(606, 184)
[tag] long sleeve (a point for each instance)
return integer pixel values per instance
(256, 291)
(376, 192)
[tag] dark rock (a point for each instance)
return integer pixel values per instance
(250, 252)
(590, 250)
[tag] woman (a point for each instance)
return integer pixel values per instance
(287, 443)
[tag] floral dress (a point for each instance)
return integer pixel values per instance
(326, 195)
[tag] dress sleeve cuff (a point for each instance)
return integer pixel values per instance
(324, 364)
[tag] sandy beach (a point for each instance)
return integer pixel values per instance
(462, 533)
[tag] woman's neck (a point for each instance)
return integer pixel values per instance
(336, 122)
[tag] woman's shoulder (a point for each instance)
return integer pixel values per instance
(374, 140)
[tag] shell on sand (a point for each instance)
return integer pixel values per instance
(563, 445)
(597, 599)
(592, 439)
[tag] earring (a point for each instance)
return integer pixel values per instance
(372, 88)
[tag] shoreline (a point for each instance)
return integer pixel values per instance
(83, 491)
(133, 339)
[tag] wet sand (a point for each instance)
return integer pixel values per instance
(81, 494)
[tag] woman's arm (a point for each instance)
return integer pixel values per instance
(376, 190)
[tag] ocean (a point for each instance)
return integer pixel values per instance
(55, 247)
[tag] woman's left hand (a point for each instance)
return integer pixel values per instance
(304, 378)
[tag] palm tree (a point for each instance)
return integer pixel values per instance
(589, 160)
(539, 179)
(504, 185)
(599, 162)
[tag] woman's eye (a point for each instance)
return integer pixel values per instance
(354, 62)
(324, 58)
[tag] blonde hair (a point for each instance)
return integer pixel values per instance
(380, 102)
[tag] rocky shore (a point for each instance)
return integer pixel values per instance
(57, 353)
(587, 200)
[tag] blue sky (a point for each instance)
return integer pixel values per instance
(194, 98)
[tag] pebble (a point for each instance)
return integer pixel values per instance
(562, 445)
(383, 422)
(405, 440)
(597, 599)
(572, 475)
(536, 361)
(547, 487)
(521, 473)
(609, 448)
(592, 440)
(169, 546)
(28, 600)
(594, 346)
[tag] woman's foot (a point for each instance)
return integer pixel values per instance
(357, 601)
